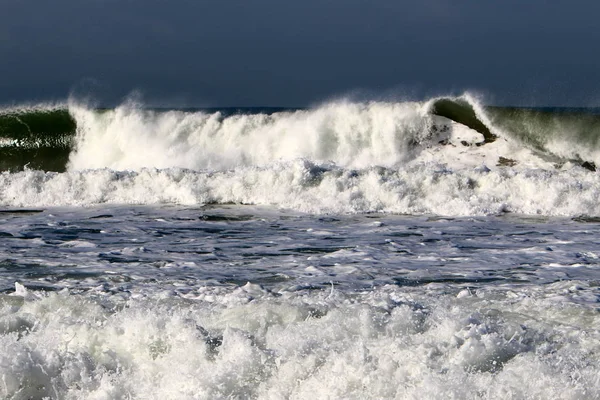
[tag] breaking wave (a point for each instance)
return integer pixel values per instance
(447, 156)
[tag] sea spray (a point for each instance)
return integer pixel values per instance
(351, 135)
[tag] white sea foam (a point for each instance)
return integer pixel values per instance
(247, 343)
(428, 188)
(349, 134)
(368, 306)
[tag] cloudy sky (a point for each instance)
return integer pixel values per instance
(297, 53)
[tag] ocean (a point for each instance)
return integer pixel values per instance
(352, 250)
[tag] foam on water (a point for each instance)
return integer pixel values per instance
(425, 188)
(249, 343)
(153, 303)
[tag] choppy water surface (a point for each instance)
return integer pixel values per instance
(250, 302)
(409, 250)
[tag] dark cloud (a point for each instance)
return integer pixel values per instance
(267, 52)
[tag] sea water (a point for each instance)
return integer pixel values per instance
(352, 251)
(247, 302)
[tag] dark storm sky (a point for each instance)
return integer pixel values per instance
(294, 53)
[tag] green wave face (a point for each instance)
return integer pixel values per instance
(462, 111)
(37, 139)
(556, 134)
(539, 127)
